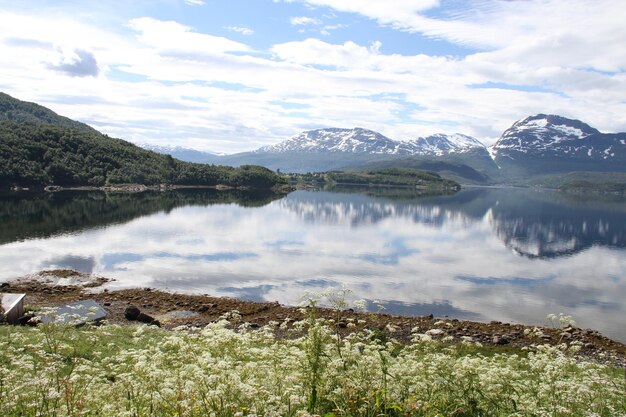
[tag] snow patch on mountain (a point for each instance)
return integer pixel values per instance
(441, 144)
(184, 154)
(168, 149)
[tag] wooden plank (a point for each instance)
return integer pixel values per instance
(13, 306)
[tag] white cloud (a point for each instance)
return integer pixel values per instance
(579, 33)
(79, 63)
(195, 2)
(304, 21)
(240, 29)
(376, 8)
(327, 29)
(316, 25)
(173, 36)
(317, 52)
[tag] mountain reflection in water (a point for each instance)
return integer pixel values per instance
(537, 224)
(485, 254)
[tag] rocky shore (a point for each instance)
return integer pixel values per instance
(138, 188)
(168, 310)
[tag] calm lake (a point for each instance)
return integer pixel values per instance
(481, 254)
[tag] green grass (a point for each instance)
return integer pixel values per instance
(58, 370)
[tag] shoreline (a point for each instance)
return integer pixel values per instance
(137, 188)
(171, 309)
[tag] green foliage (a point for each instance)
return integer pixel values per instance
(580, 182)
(18, 111)
(39, 154)
(448, 167)
(392, 177)
(589, 186)
(38, 147)
(309, 178)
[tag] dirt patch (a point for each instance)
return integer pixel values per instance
(207, 309)
(61, 273)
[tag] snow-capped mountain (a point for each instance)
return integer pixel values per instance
(541, 132)
(355, 140)
(554, 143)
(366, 141)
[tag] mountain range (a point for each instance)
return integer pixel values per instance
(538, 145)
(39, 146)
(340, 149)
(179, 152)
(359, 140)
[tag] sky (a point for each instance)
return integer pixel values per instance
(230, 76)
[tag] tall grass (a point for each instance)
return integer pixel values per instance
(59, 370)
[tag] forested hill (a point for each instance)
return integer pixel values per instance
(39, 147)
(19, 111)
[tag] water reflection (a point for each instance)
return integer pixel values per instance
(511, 255)
(537, 224)
(547, 225)
(30, 215)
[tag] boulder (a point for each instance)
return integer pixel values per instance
(132, 313)
(501, 340)
(27, 320)
(53, 188)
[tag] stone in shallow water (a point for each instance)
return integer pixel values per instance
(179, 314)
(77, 313)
